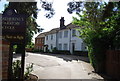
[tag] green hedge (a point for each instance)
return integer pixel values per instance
(81, 53)
(61, 52)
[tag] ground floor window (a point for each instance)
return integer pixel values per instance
(60, 47)
(51, 46)
(65, 46)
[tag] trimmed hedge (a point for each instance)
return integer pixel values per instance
(81, 53)
(61, 52)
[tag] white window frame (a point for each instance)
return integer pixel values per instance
(65, 46)
(65, 33)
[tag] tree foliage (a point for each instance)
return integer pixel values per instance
(48, 7)
(100, 30)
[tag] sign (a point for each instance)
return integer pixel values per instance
(13, 26)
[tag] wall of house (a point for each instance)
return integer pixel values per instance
(63, 40)
(79, 45)
(50, 42)
(60, 41)
(39, 43)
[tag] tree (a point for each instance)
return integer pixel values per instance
(100, 30)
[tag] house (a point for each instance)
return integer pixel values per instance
(39, 41)
(51, 39)
(62, 38)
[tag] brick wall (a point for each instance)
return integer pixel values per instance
(4, 48)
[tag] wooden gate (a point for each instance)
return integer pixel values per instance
(113, 63)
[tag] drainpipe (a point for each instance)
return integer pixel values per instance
(70, 42)
(57, 39)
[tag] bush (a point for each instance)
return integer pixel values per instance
(29, 69)
(35, 51)
(63, 52)
(81, 53)
(54, 50)
(16, 68)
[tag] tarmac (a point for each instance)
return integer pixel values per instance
(56, 66)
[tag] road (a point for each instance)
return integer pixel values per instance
(51, 66)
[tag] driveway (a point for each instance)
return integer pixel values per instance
(56, 66)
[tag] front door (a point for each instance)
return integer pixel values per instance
(73, 47)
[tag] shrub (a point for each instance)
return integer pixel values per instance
(81, 53)
(63, 52)
(16, 68)
(54, 50)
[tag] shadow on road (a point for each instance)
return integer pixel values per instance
(17, 55)
(69, 57)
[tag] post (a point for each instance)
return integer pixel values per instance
(10, 75)
(23, 62)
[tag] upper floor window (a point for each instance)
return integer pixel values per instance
(73, 33)
(60, 47)
(52, 37)
(51, 46)
(65, 33)
(47, 38)
(60, 34)
(37, 40)
(42, 40)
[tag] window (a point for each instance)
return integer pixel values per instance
(65, 47)
(83, 46)
(51, 36)
(65, 34)
(47, 38)
(42, 40)
(60, 46)
(60, 34)
(73, 33)
(51, 46)
(37, 40)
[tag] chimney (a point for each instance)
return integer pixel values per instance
(62, 26)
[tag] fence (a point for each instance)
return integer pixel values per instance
(113, 63)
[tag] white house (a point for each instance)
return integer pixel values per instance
(64, 38)
(51, 39)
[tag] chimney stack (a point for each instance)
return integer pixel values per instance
(62, 26)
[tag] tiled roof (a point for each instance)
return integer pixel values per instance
(71, 26)
(41, 35)
(52, 31)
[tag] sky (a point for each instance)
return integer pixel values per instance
(60, 7)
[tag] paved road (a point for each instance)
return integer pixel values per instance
(51, 66)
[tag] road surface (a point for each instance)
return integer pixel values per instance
(51, 66)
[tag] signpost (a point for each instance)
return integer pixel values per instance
(14, 30)
(13, 26)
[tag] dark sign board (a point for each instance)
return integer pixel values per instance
(13, 26)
